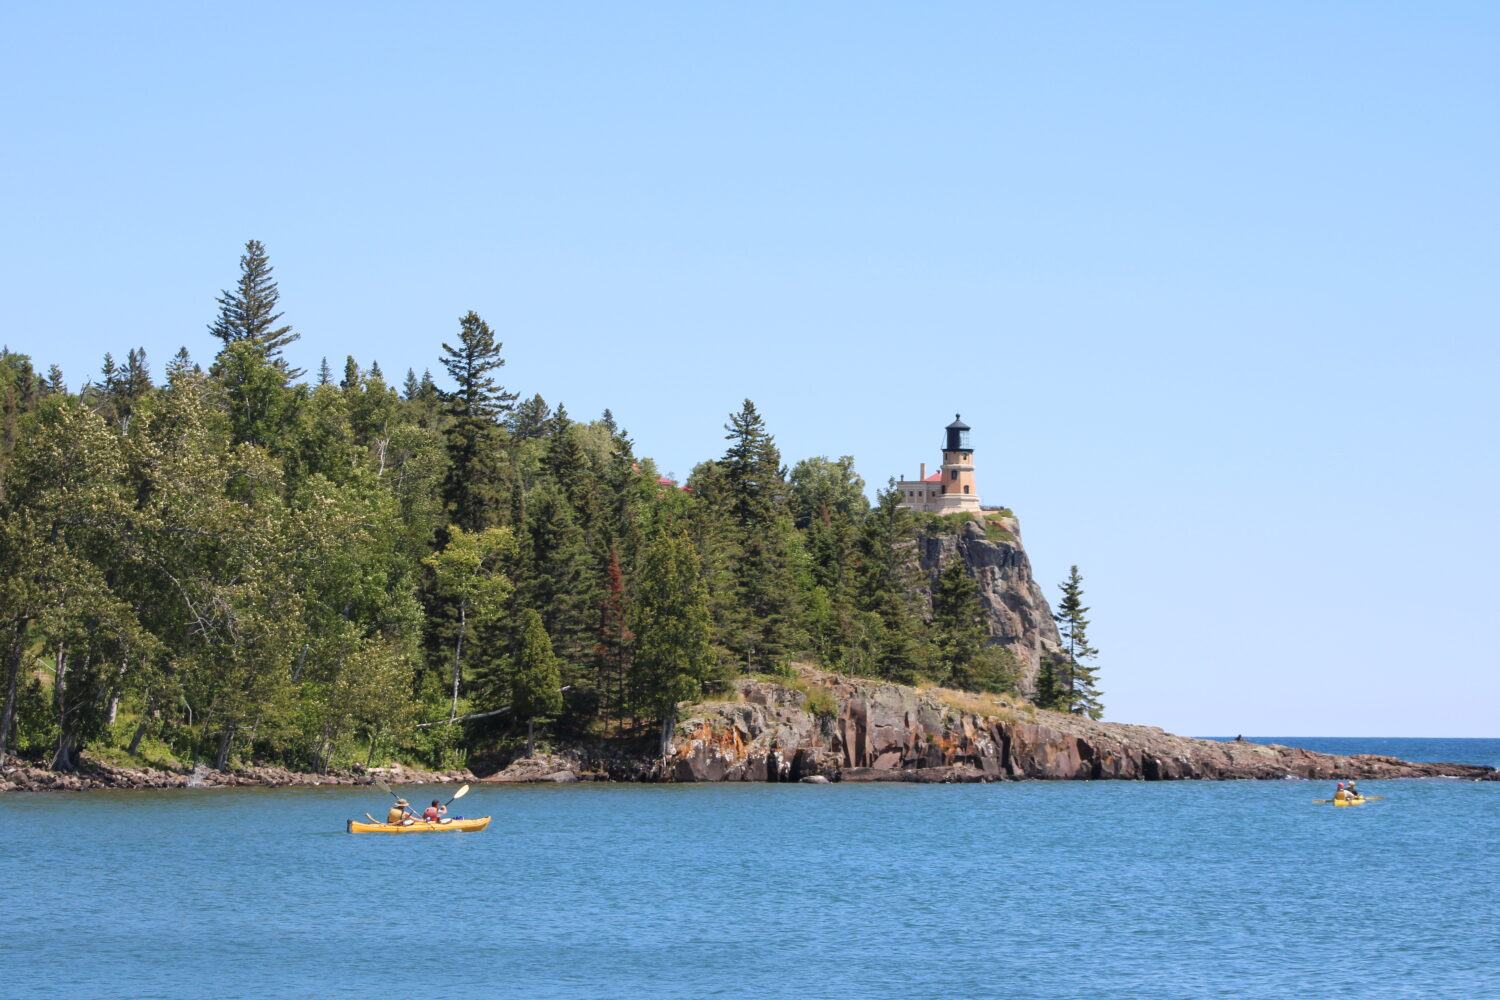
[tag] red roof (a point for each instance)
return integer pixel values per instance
(936, 477)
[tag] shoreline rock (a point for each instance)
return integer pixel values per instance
(890, 732)
(765, 731)
(94, 775)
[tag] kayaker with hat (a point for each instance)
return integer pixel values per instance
(1351, 790)
(1339, 793)
(401, 814)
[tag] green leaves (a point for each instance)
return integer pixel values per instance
(670, 618)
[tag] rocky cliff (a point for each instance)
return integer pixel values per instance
(768, 731)
(990, 545)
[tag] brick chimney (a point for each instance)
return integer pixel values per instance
(923, 474)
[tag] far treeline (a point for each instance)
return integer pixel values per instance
(239, 563)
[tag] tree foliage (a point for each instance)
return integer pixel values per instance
(234, 564)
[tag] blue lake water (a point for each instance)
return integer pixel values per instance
(1102, 889)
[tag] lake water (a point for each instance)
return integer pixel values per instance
(1107, 889)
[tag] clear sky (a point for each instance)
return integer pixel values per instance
(1214, 284)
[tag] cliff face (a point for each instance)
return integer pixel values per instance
(888, 732)
(1019, 616)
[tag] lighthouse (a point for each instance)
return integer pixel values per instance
(951, 489)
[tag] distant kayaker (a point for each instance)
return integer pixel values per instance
(1351, 790)
(435, 812)
(400, 814)
(1340, 794)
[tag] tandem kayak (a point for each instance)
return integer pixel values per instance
(464, 825)
(1350, 802)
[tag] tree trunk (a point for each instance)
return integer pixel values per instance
(13, 673)
(226, 739)
(66, 757)
(140, 728)
(530, 728)
(668, 719)
(458, 656)
(59, 681)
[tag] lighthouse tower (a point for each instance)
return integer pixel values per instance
(959, 491)
(951, 489)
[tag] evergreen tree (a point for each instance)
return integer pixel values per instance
(350, 381)
(762, 628)
(247, 312)
(181, 363)
(673, 655)
(536, 685)
(1050, 693)
(964, 657)
(890, 640)
(476, 490)
(1080, 683)
(557, 582)
(325, 374)
(530, 418)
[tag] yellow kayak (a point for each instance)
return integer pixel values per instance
(1350, 802)
(465, 825)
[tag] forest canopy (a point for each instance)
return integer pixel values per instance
(232, 560)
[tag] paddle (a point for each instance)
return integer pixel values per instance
(388, 790)
(463, 790)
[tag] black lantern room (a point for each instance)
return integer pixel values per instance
(958, 435)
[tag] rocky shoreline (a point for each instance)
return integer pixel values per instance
(97, 776)
(890, 732)
(769, 731)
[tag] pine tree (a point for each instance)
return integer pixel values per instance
(557, 585)
(886, 585)
(1049, 691)
(530, 419)
(535, 685)
(350, 381)
(247, 312)
(566, 462)
(673, 656)
(180, 365)
(325, 374)
(762, 629)
(1080, 683)
(476, 488)
(964, 657)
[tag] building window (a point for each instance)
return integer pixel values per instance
(966, 489)
(953, 474)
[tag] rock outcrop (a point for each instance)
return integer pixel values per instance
(1017, 611)
(94, 774)
(889, 732)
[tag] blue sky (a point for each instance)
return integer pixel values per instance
(1214, 284)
